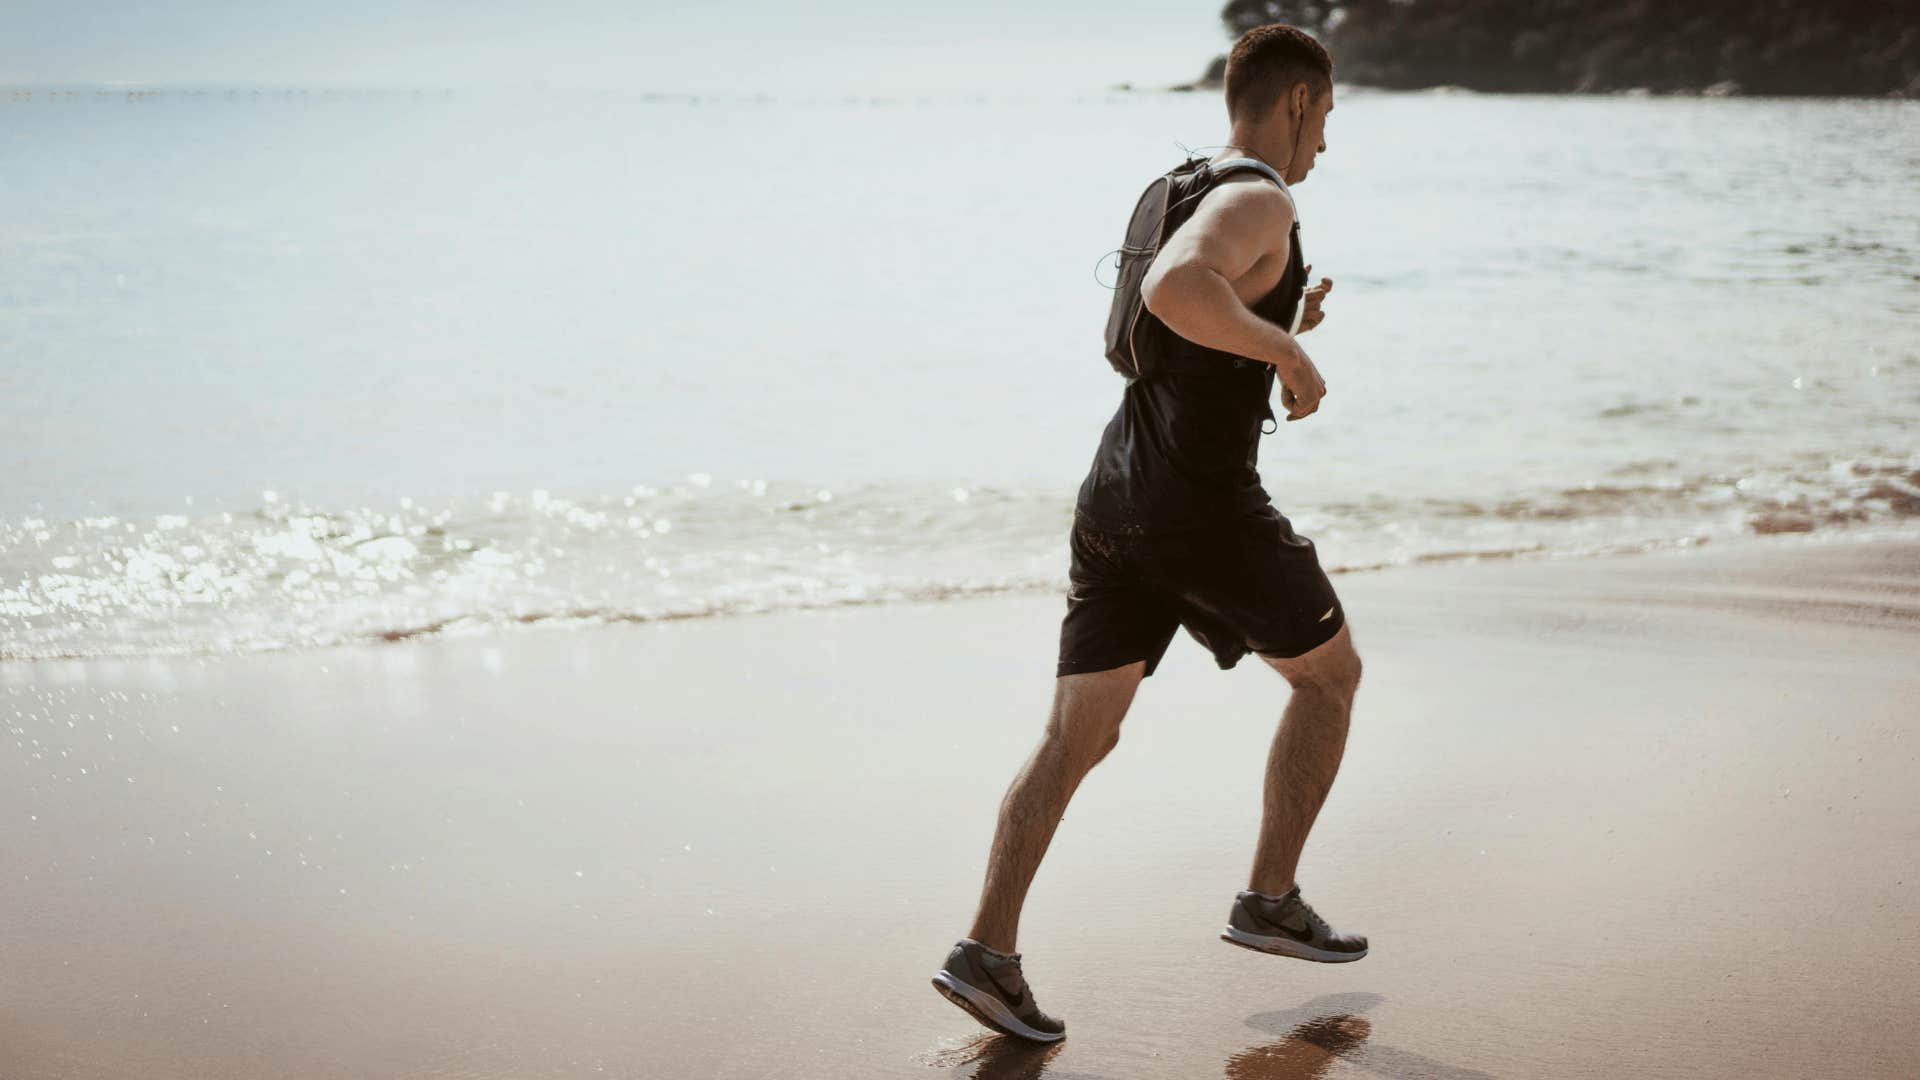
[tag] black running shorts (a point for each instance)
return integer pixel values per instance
(1253, 585)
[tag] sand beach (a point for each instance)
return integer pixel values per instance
(1646, 815)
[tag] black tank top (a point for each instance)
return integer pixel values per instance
(1182, 450)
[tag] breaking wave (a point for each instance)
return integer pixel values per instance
(286, 575)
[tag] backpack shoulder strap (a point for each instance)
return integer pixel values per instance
(1221, 168)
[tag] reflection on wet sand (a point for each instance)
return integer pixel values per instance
(1313, 1037)
(1323, 1030)
(997, 1057)
(1306, 1053)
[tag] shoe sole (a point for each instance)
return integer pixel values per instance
(989, 1010)
(1280, 946)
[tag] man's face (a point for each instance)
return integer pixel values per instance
(1313, 130)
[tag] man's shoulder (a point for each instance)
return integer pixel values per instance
(1249, 198)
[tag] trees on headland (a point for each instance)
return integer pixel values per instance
(1746, 46)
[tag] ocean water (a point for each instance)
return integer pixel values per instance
(294, 368)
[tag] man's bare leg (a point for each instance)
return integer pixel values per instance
(1305, 755)
(1082, 728)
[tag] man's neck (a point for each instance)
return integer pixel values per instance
(1234, 149)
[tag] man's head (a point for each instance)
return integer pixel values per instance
(1279, 92)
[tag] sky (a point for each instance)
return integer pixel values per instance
(749, 46)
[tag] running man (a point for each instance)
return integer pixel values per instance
(1173, 529)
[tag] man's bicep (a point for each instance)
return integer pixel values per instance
(1232, 229)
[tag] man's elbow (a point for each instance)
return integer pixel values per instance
(1159, 289)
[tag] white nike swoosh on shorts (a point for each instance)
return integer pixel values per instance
(1327, 616)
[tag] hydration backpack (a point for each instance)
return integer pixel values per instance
(1136, 339)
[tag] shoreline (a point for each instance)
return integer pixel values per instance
(937, 593)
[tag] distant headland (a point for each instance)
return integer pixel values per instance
(1713, 47)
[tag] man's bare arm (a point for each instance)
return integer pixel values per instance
(1190, 285)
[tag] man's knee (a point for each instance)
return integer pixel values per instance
(1332, 668)
(1088, 709)
(1082, 739)
(1093, 750)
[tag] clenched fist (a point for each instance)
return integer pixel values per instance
(1313, 299)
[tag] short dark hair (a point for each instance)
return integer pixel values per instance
(1269, 61)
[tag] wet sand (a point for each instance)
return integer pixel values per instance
(1649, 815)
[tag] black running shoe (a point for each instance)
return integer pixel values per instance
(991, 988)
(1289, 927)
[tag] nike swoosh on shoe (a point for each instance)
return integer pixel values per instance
(1015, 1000)
(1304, 934)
